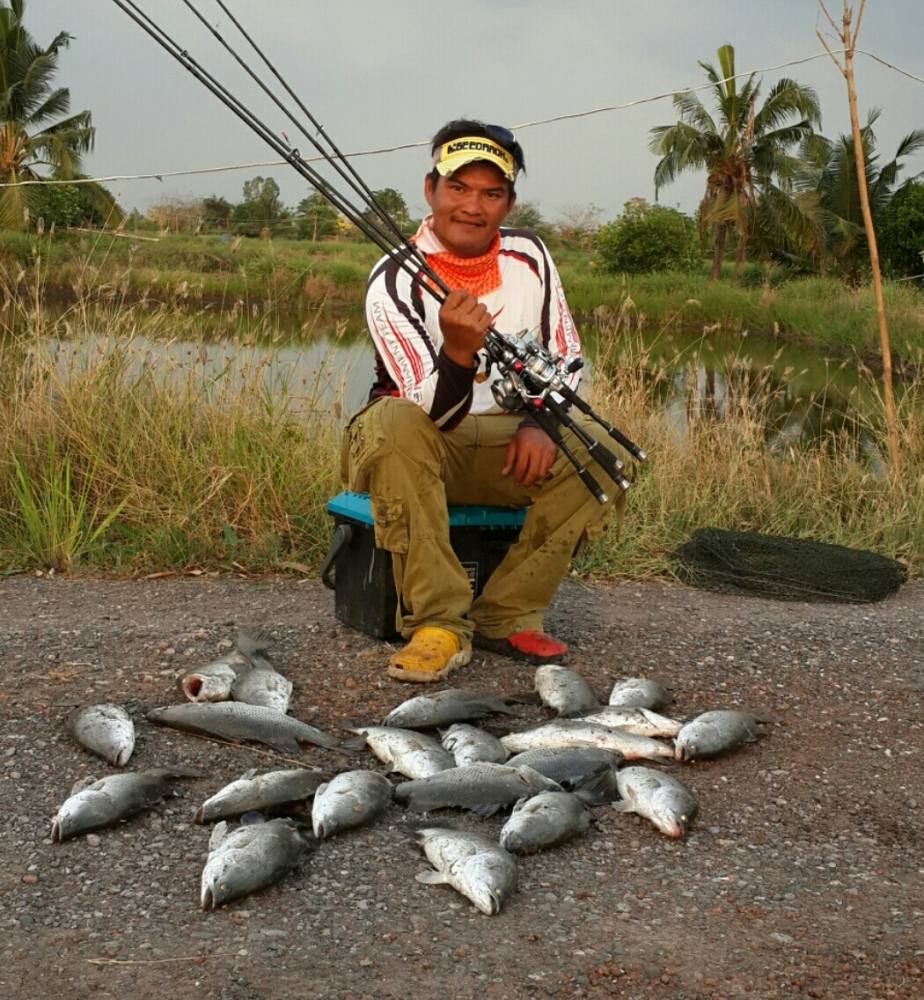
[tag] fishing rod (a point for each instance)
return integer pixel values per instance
(531, 380)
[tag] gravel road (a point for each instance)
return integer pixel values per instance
(802, 875)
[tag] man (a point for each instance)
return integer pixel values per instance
(433, 434)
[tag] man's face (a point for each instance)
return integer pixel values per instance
(468, 207)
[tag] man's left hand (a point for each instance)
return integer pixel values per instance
(530, 455)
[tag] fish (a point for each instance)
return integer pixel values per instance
(249, 858)
(214, 681)
(659, 797)
(233, 720)
(578, 733)
(474, 865)
(564, 690)
(265, 793)
(93, 804)
(469, 745)
(262, 685)
(349, 799)
(587, 770)
(406, 751)
(427, 711)
(483, 788)
(715, 732)
(641, 721)
(545, 820)
(638, 692)
(106, 730)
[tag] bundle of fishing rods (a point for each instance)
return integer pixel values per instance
(531, 379)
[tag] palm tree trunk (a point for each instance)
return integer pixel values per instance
(721, 231)
(739, 253)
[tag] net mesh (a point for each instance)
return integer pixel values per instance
(794, 569)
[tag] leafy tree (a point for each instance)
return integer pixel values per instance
(648, 238)
(316, 218)
(579, 225)
(526, 215)
(75, 205)
(261, 209)
(33, 135)
(393, 203)
(901, 231)
(745, 150)
(216, 213)
(832, 174)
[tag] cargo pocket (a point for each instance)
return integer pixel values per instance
(391, 529)
(362, 441)
(613, 515)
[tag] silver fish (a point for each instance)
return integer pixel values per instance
(475, 866)
(263, 685)
(564, 690)
(715, 732)
(249, 858)
(641, 721)
(233, 720)
(577, 733)
(350, 799)
(94, 804)
(214, 681)
(469, 745)
(483, 788)
(406, 751)
(638, 692)
(106, 730)
(589, 771)
(427, 711)
(659, 797)
(546, 820)
(255, 792)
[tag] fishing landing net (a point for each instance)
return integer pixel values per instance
(789, 569)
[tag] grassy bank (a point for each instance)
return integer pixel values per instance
(296, 275)
(115, 465)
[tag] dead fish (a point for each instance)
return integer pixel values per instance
(249, 858)
(214, 681)
(546, 820)
(469, 745)
(106, 730)
(265, 793)
(262, 685)
(349, 799)
(659, 797)
(587, 770)
(406, 751)
(427, 711)
(578, 733)
(641, 721)
(232, 720)
(638, 692)
(475, 866)
(715, 732)
(482, 788)
(564, 690)
(94, 804)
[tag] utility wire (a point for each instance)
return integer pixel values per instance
(160, 175)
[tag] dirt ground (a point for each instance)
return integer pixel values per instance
(802, 875)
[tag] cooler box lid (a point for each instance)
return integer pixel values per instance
(356, 507)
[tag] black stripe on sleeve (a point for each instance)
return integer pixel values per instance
(452, 397)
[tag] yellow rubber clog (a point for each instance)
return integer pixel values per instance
(429, 656)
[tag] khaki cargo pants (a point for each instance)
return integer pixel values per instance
(412, 470)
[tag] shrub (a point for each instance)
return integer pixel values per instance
(648, 238)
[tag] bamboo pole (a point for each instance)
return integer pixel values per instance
(847, 33)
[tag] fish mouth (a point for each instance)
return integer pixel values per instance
(122, 757)
(208, 900)
(56, 831)
(200, 816)
(192, 686)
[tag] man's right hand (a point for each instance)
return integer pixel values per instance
(464, 322)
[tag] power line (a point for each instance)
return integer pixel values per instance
(160, 175)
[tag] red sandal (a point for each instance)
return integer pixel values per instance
(535, 647)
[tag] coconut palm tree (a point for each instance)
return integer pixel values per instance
(745, 150)
(35, 139)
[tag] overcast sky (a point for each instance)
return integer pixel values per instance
(380, 73)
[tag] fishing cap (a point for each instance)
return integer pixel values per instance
(461, 142)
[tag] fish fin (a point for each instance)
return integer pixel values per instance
(251, 641)
(81, 783)
(219, 832)
(622, 806)
(284, 744)
(252, 818)
(251, 772)
(352, 744)
(430, 877)
(523, 698)
(180, 771)
(598, 789)
(486, 809)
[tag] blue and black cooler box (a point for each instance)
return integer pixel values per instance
(361, 575)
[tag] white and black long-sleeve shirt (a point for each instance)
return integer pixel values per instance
(403, 318)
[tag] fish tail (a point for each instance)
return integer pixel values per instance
(253, 641)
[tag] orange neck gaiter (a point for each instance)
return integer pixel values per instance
(476, 275)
